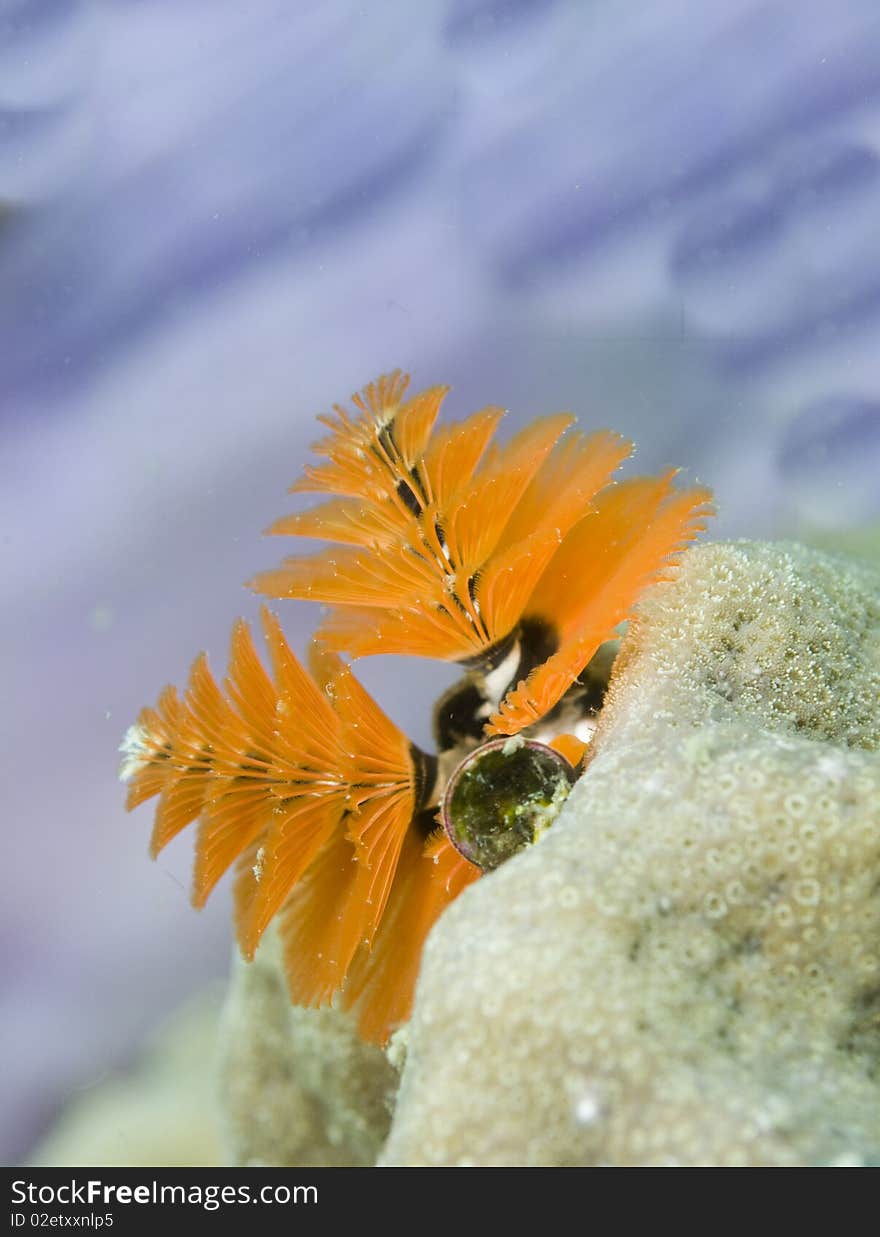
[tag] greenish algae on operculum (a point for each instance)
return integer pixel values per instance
(505, 800)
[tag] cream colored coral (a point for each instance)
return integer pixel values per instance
(686, 968)
(297, 1086)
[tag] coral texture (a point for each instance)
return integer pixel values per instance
(297, 1086)
(684, 969)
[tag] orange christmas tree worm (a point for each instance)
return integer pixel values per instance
(516, 561)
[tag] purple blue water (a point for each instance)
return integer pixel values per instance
(216, 219)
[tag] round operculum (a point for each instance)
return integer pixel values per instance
(502, 797)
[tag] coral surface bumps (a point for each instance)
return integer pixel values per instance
(297, 1086)
(686, 968)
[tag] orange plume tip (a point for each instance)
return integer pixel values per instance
(382, 398)
(570, 747)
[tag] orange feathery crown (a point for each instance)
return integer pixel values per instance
(446, 546)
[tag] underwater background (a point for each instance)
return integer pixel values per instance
(216, 219)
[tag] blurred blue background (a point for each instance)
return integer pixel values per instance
(218, 218)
